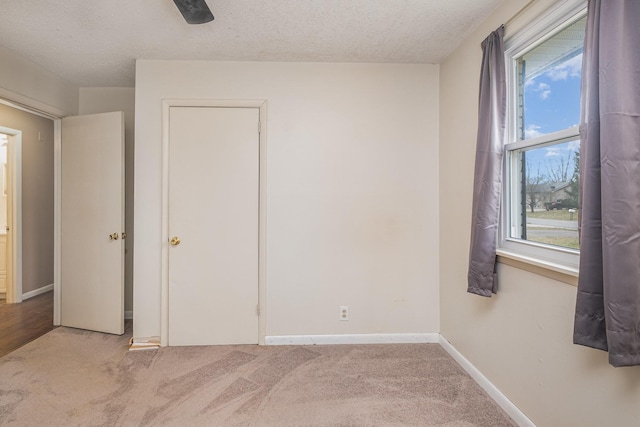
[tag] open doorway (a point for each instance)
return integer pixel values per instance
(10, 215)
(4, 253)
(26, 225)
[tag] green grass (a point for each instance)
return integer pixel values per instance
(565, 242)
(561, 215)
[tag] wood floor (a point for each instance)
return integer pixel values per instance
(24, 322)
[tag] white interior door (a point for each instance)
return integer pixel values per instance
(213, 225)
(92, 222)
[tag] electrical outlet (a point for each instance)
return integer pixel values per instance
(344, 312)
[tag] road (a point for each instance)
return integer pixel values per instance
(541, 229)
(553, 223)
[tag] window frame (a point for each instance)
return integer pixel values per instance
(541, 29)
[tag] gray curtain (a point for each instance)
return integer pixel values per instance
(608, 303)
(482, 279)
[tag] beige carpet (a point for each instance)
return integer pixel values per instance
(70, 378)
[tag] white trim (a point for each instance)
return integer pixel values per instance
(57, 210)
(262, 206)
(512, 410)
(538, 262)
(544, 26)
(30, 105)
(430, 338)
(128, 314)
(558, 137)
(16, 216)
(36, 292)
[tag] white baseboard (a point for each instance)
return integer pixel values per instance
(512, 410)
(37, 292)
(351, 339)
(128, 315)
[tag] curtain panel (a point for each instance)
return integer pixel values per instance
(608, 302)
(485, 216)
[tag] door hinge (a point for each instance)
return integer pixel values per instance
(259, 126)
(258, 309)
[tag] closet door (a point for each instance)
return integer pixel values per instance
(213, 225)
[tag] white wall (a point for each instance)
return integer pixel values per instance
(521, 339)
(26, 82)
(103, 100)
(352, 190)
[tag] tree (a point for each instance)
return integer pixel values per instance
(558, 168)
(573, 190)
(533, 186)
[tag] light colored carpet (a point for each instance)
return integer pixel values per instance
(70, 377)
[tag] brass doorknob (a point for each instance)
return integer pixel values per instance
(113, 236)
(175, 241)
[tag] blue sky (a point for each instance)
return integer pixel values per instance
(552, 103)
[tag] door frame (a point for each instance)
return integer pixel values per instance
(14, 214)
(262, 204)
(30, 105)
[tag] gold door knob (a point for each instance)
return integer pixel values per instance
(175, 241)
(113, 236)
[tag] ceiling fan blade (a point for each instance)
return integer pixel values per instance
(194, 11)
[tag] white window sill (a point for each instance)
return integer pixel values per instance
(544, 268)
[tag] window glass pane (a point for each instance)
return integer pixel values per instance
(549, 83)
(545, 186)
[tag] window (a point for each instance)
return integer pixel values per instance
(540, 206)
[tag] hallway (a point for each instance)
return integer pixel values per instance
(24, 322)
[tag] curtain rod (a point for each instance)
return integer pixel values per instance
(520, 12)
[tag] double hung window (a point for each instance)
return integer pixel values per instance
(542, 153)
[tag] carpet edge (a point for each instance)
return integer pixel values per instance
(502, 400)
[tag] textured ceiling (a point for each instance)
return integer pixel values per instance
(96, 42)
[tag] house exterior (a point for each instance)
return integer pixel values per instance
(546, 195)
